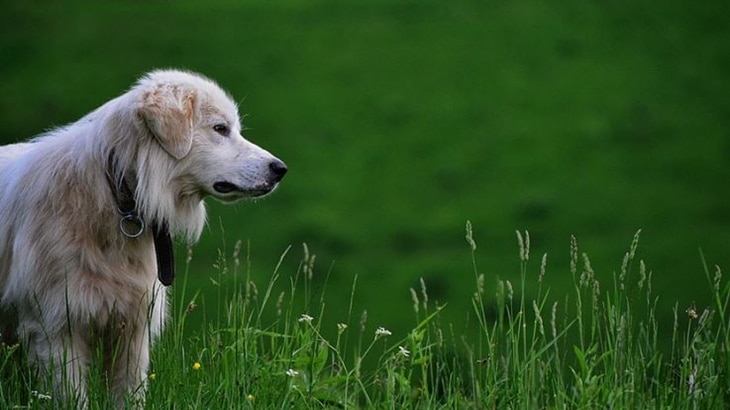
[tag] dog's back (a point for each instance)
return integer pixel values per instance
(10, 152)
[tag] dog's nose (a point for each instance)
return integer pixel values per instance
(278, 169)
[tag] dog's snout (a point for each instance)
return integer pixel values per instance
(278, 169)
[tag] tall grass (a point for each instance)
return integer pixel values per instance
(599, 346)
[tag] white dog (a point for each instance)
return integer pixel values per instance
(87, 212)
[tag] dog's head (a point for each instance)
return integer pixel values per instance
(197, 124)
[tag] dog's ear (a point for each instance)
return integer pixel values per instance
(168, 112)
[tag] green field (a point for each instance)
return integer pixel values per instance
(401, 120)
(597, 346)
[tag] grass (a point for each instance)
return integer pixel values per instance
(596, 347)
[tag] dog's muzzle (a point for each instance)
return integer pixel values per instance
(277, 170)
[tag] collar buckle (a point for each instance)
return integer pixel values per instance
(131, 225)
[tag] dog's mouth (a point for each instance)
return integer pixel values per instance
(225, 187)
(228, 190)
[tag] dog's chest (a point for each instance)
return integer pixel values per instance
(117, 286)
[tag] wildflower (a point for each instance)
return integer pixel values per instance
(402, 350)
(305, 318)
(250, 397)
(152, 376)
(196, 366)
(341, 327)
(40, 396)
(381, 331)
(692, 312)
(292, 373)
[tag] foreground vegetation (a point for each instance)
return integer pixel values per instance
(596, 347)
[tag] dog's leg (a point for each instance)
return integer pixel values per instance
(128, 370)
(72, 368)
(131, 348)
(64, 357)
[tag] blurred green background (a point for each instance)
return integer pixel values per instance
(401, 120)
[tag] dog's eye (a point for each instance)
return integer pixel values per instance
(222, 129)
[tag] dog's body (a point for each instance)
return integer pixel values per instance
(70, 279)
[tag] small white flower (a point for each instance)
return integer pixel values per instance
(341, 327)
(381, 331)
(291, 372)
(305, 318)
(40, 396)
(402, 350)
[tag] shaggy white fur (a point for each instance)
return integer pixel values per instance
(71, 283)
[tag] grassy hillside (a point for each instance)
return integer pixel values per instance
(400, 120)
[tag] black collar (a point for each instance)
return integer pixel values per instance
(132, 225)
